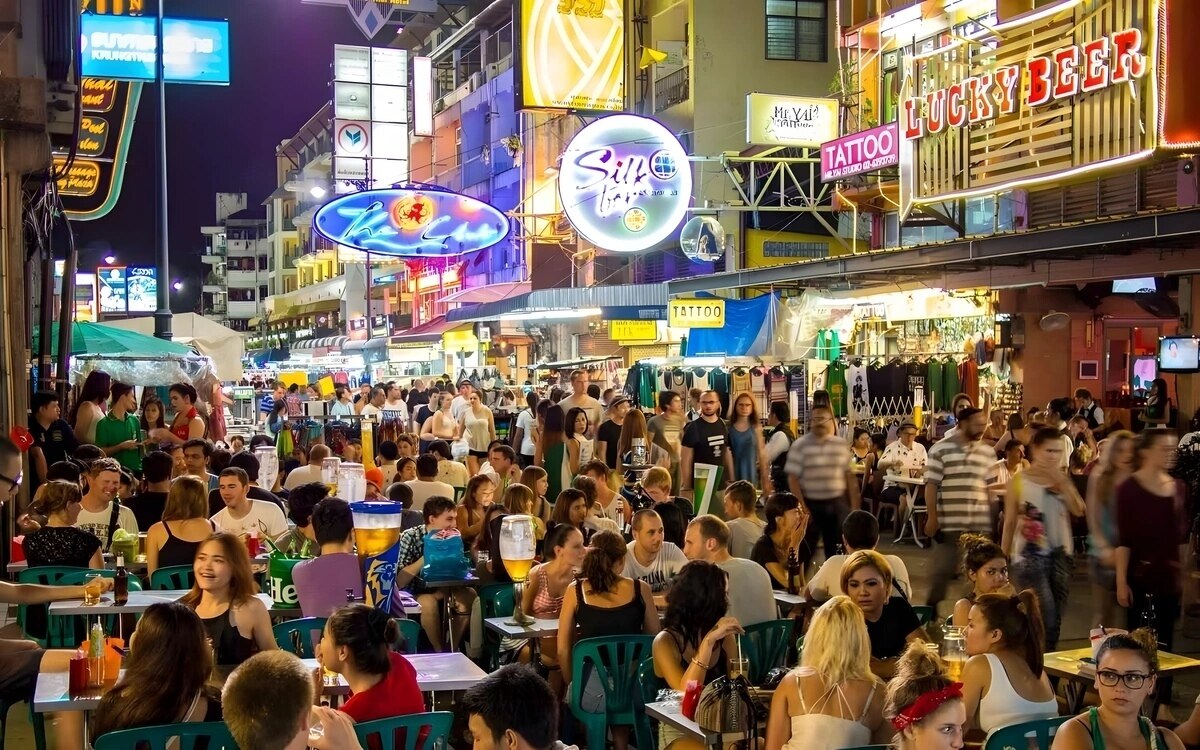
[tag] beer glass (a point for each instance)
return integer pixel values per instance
(954, 652)
(376, 536)
(517, 547)
(92, 588)
(329, 474)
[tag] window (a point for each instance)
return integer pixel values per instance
(797, 30)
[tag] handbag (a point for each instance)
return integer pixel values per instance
(726, 706)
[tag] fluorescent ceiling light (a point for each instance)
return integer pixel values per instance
(587, 312)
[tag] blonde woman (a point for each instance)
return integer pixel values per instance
(184, 525)
(832, 700)
(746, 442)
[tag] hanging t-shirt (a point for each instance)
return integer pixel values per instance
(860, 396)
(701, 379)
(797, 383)
(968, 375)
(835, 383)
(950, 387)
(741, 382)
(933, 390)
(916, 376)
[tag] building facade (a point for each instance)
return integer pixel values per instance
(236, 256)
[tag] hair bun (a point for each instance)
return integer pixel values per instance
(919, 661)
(1148, 640)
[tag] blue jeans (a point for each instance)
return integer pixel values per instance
(1049, 575)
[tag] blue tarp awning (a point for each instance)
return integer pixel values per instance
(749, 330)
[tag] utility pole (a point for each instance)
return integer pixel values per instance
(162, 316)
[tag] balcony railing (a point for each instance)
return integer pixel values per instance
(672, 89)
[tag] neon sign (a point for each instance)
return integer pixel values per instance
(429, 222)
(625, 183)
(1066, 72)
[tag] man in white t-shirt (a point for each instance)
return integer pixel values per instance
(579, 397)
(310, 473)
(751, 600)
(374, 407)
(744, 526)
(651, 558)
(241, 514)
(460, 402)
(860, 530)
(104, 480)
(426, 485)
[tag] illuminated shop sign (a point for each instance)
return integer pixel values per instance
(411, 223)
(773, 120)
(707, 312)
(110, 280)
(572, 55)
(625, 183)
(142, 286)
(865, 151)
(1065, 73)
(126, 48)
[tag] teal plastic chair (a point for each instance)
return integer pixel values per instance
(156, 738)
(410, 631)
(648, 685)
(924, 613)
(173, 578)
(496, 600)
(307, 629)
(381, 734)
(1020, 735)
(614, 662)
(765, 644)
(37, 628)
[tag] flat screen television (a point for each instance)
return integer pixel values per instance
(1133, 286)
(1179, 354)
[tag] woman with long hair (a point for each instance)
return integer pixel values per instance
(604, 603)
(525, 431)
(832, 700)
(153, 418)
(187, 511)
(223, 596)
(552, 452)
(1004, 681)
(59, 541)
(167, 680)
(924, 706)
(635, 428)
(570, 509)
(782, 537)
(1113, 467)
(536, 479)
(1017, 430)
(478, 427)
(1038, 505)
(747, 444)
(891, 622)
(547, 586)
(1157, 411)
(89, 406)
(1126, 675)
(579, 448)
(406, 469)
(357, 644)
(986, 566)
(441, 425)
(863, 458)
(478, 497)
(277, 419)
(187, 423)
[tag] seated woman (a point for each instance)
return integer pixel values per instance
(987, 570)
(1004, 681)
(536, 479)
(570, 509)
(832, 700)
(1126, 673)
(480, 493)
(184, 526)
(891, 621)
(166, 681)
(58, 541)
(548, 584)
(697, 638)
(357, 644)
(924, 706)
(609, 503)
(223, 595)
(787, 521)
(604, 604)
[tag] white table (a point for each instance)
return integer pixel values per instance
(784, 599)
(911, 511)
(536, 629)
(669, 713)
(140, 601)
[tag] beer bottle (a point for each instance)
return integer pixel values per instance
(793, 571)
(121, 583)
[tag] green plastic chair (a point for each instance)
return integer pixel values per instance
(47, 575)
(173, 578)
(156, 738)
(614, 662)
(381, 734)
(309, 630)
(496, 600)
(1040, 731)
(648, 685)
(924, 613)
(765, 644)
(410, 631)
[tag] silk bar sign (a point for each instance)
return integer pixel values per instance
(1065, 73)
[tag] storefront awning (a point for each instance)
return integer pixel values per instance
(430, 332)
(323, 342)
(571, 298)
(570, 364)
(312, 308)
(254, 322)
(478, 295)
(281, 314)
(260, 357)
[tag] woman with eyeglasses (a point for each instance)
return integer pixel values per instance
(1126, 674)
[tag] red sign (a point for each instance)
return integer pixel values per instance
(1066, 72)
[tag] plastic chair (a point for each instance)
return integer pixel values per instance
(309, 630)
(173, 578)
(614, 662)
(496, 600)
(1019, 735)
(156, 738)
(48, 575)
(36, 719)
(924, 613)
(410, 631)
(765, 644)
(648, 685)
(381, 733)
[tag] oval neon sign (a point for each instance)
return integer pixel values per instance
(425, 223)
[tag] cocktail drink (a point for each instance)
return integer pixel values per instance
(376, 533)
(518, 546)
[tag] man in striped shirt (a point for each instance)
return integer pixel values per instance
(956, 494)
(818, 469)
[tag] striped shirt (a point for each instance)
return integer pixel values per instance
(960, 471)
(267, 403)
(820, 466)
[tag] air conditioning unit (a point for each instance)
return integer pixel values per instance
(477, 80)
(493, 70)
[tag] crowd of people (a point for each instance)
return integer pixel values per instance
(1009, 501)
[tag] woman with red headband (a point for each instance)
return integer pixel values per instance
(924, 706)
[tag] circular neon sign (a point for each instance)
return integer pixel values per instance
(625, 183)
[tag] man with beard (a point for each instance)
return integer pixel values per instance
(956, 494)
(705, 441)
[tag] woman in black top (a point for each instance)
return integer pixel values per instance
(891, 621)
(697, 638)
(58, 542)
(787, 520)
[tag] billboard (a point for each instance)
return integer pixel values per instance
(865, 151)
(126, 48)
(111, 285)
(773, 120)
(572, 55)
(142, 289)
(90, 188)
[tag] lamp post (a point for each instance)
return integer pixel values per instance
(162, 316)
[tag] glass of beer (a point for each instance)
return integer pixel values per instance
(93, 587)
(954, 652)
(329, 474)
(518, 544)
(376, 533)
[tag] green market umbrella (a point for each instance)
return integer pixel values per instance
(98, 339)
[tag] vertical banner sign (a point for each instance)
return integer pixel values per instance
(422, 92)
(572, 55)
(370, 110)
(111, 283)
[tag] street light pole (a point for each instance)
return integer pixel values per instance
(162, 316)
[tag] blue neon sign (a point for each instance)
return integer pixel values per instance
(126, 48)
(427, 223)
